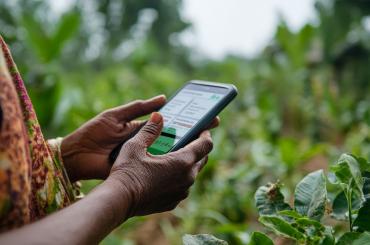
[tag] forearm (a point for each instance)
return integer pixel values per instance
(87, 221)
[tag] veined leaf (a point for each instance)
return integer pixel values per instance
(282, 227)
(348, 238)
(364, 239)
(202, 239)
(259, 238)
(310, 195)
(348, 173)
(269, 200)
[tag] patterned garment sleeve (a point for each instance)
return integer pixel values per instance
(33, 180)
(15, 170)
(5, 162)
(72, 188)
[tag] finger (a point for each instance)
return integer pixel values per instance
(214, 124)
(150, 131)
(129, 130)
(132, 126)
(199, 166)
(138, 108)
(196, 150)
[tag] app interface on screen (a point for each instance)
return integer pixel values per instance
(183, 112)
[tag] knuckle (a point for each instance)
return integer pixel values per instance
(138, 103)
(108, 112)
(187, 161)
(208, 144)
(105, 113)
(138, 106)
(150, 128)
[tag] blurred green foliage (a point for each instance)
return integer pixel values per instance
(303, 99)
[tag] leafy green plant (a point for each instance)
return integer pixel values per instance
(206, 239)
(202, 239)
(303, 222)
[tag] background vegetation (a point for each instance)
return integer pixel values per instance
(303, 100)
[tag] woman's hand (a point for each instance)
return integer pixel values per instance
(157, 183)
(85, 152)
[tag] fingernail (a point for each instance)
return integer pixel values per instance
(160, 96)
(156, 118)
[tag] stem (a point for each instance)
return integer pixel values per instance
(349, 195)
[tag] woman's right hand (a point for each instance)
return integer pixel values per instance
(139, 183)
(157, 183)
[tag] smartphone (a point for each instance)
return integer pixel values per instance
(188, 113)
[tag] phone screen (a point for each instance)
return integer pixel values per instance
(183, 112)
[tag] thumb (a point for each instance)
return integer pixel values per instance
(150, 131)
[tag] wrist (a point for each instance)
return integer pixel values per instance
(66, 147)
(67, 153)
(120, 198)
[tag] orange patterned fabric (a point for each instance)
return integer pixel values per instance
(33, 181)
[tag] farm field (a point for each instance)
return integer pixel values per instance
(302, 116)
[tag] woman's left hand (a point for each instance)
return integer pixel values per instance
(85, 152)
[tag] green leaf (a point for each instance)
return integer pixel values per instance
(328, 240)
(364, 239)
(328, 237)
(310, 222)
(313, 229)
(291, 214)
(348, 238)
(35, 36)
(269, 200)
(340, 206)
(46, 45)
(202, 239)
(67, 26)
(366, 189)
(310, 195)
(364, 165)
(259, 238)
(363, 217)
(282, 227)
(348, 174)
